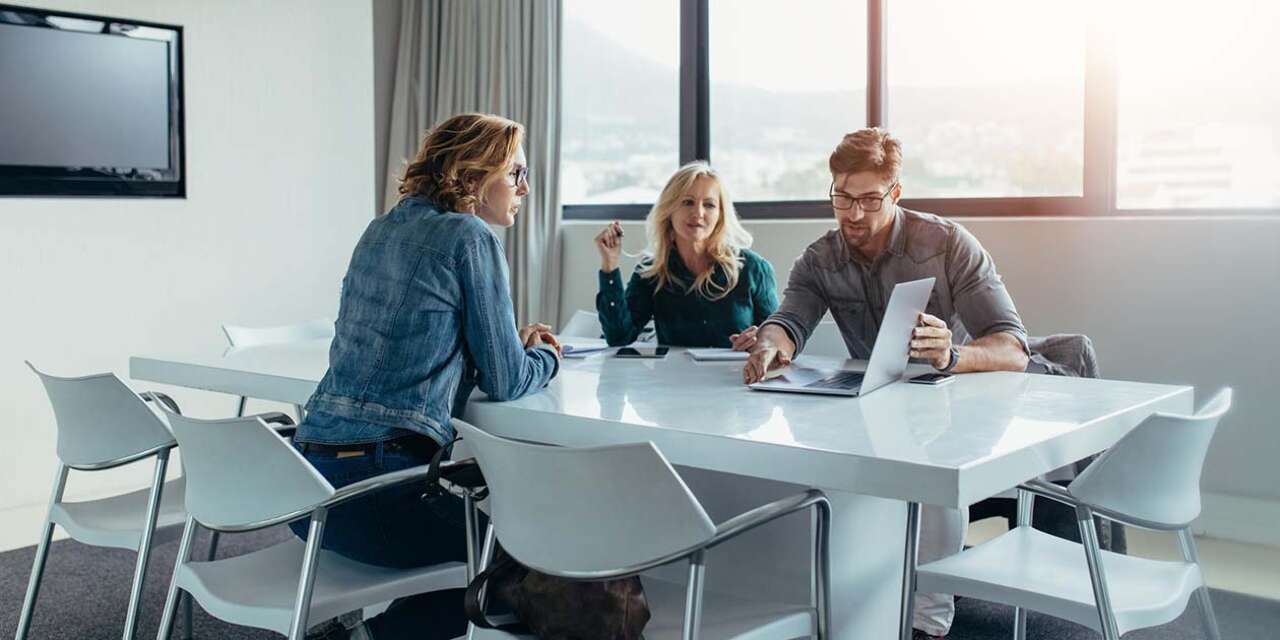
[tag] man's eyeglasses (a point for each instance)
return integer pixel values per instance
(518, 175)
(870, 204)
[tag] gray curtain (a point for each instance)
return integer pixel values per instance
(500, 57)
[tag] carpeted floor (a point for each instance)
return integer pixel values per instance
(86, 589)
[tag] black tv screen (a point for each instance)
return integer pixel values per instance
(89, 105)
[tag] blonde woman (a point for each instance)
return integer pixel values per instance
(698, 280)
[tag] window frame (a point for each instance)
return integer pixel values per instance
(1100, 105)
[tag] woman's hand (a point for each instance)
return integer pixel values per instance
(609, 244)
(538, 333)
(529, 334)
(745, 340)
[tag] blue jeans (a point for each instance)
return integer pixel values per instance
(395, 528)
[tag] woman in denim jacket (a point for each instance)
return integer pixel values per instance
(425, 317)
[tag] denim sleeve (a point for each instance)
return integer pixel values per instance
(505, 370)
(764, 294)
(623, 315)
(803, 302)
(977, 291)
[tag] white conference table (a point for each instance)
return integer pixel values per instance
(878, 458)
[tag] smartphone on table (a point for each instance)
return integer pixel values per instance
(642, 352)
(933, 379)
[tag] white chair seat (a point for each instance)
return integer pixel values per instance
(723, 617)
(117, 521)
(1034, 570)
(259, 589)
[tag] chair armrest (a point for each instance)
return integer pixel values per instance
(275, 417)
(726, 530)
(160, 398)
(749, 520)
(368, 485)
(1054, 492)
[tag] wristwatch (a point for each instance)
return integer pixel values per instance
(955, 359)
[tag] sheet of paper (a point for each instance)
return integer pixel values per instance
(703, 355)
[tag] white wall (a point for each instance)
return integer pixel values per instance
(280, 163)
(1174, 300)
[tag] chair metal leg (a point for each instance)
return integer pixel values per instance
(171, 599)
(693, 596)
(144, 546)
(213, 546)
(909, 556)
(1093, 554)
(302, 413)
(469, 520)
(241, 407)
(42, 554)
(1026, 505)
(486, 556)
(1192, 555)
(307, 580)
(821, 588)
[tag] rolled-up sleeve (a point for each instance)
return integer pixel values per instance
(506, 370)
(977, 291)
(802, 302)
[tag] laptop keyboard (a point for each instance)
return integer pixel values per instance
(843, 380)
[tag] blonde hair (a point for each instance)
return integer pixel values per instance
(460, 158)
(726, 243)
(868, 150)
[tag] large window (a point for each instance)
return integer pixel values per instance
(987, 97)
(620, 101)
(780, 104)
(1004, 107)
(1199, 107)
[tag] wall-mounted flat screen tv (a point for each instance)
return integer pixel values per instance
(89, 106)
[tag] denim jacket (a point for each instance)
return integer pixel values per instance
(425, 316)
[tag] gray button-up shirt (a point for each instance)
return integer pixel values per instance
(968, 294)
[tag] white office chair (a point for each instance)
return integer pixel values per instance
(240, 337)
(102, 424)
(1149, 479)
(615, 511)
(826, 341)
(241, 476)
(583, 324)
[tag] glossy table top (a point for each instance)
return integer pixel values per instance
(950, 445)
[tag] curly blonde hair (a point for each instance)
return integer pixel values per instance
(460, 158)
(727, 241)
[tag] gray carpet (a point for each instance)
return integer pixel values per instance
(86, 589)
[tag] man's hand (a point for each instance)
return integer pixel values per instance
(746, 340)
(931, 340)
(773, 349)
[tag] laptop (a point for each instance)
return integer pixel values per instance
(889, 355)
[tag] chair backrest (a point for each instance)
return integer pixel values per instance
(568, 510)
(1153, 472)
(100, 420)
(239, 336)
(583, 324)
(1069, 354)
(826, 341)
(240, 472)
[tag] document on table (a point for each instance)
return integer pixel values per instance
(575, 347)
(718, 355)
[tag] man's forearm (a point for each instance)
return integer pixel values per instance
(996, 352)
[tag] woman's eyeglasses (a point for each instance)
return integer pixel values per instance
(518, 175)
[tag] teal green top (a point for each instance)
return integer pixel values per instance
(684, 318)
